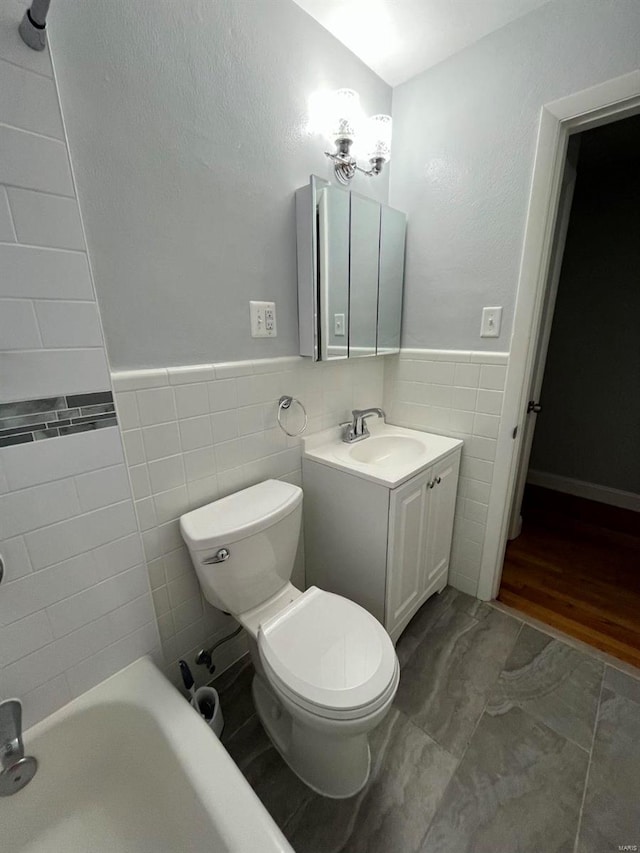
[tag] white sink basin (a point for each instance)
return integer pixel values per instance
(390, 456)
(387, 450)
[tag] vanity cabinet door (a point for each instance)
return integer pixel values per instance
(406, 550)
(442, 505)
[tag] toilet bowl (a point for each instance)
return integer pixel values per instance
(326, 669)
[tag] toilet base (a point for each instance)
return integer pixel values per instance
(330, 758)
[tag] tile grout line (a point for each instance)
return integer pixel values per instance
(586, 778)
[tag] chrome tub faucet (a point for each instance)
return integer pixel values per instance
(16, 770)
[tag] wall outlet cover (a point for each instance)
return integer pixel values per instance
(263, 319)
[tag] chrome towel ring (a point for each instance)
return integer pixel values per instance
(284, 403)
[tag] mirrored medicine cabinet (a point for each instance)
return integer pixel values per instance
(350, 273)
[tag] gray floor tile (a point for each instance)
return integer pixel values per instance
(552, 681)
(391, 815)
(279, 789)
(622, 684)
(446, 682)
(611, 813)
(518, 789)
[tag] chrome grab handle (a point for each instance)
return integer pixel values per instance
(11, 747)
(220, 556)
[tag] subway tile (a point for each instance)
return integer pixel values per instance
(165, 624)
(493, 377)
(177, 563)
(233, 369)
(490, 357)
(156, 406)
(117, 556)
(82, 533)
(34, 162)
(476, 469)
(192, 400)
(155, 569)
(224, 425)
(222, 395)
(12, 440)
(133, 446)
(7, 231)
(165, 474)
(191, 373)
(478, 491)
(229, 454)
(41, 589)
(46, 220)
(44, 273)
(38, 506)
(95, 398)
(127, 408)
(29, 101)
(486, 425)
(467, 375)
(439, 395)
(24, 636)
(161, 440)
(171, 504)
(161, 604)
(140, 484)
(195, 432)
(475, 511)
(146, 514)
(136, 380)
(183, 588)
(203, 491)
(45, 699)
(68, 324)
(464, 398)
(35, 373)
(103, 487)
(107, 661)
(187, 613)
(489, 402)
(482, 448)
(18, 325)
(132, 616)
(47, 461)
(16, 559)
(250, 419)
(442, 373)
(199, 463)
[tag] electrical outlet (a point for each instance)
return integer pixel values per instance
(491, 321)
(263, 319)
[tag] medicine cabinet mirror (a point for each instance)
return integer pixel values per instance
(350, 273)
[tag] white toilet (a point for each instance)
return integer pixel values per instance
(326, 670)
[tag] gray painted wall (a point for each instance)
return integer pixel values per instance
(464, 142)
(589, 427)
(186, 124)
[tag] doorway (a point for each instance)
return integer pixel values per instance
(574, 556)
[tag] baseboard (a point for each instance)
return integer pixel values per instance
(590, 491)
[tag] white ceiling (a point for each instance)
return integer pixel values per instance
(400, 38)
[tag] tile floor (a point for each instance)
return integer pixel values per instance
(501, 739)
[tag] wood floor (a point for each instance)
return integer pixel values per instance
(576, 566)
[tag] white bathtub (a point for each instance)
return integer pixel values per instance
(130, 767)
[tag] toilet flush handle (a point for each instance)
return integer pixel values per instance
(219, 557)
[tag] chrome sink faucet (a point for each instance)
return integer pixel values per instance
(356, 429)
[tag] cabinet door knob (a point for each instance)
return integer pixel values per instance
(432, 483)
(438, 480)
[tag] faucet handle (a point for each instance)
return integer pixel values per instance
(11, 746)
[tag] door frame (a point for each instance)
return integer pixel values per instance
(602, 104)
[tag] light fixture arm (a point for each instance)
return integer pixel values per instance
(345, 166)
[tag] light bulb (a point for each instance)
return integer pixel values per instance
(379, 138)
(346, 114)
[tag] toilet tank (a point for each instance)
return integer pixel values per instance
(243, 547)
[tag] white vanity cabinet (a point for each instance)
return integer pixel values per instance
(385, 548)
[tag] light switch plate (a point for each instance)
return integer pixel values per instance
(338, 325)
(263, 319)
(491, 321)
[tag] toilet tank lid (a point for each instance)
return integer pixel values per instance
(239, 515)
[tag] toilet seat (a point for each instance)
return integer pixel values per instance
(329, 656)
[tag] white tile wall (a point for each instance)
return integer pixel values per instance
(456, 393)
(196, 433)
(75, 604)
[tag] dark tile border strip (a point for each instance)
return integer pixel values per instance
(50, 417)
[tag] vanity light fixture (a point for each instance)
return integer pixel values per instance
(340, 116)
